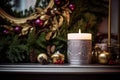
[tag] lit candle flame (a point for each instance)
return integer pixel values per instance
(79, 30)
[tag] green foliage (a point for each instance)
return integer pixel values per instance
(86, 16)
(11, 49)
(4, 45)
(16, 50)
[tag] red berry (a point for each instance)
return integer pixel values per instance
(112, 62)
(61, 62)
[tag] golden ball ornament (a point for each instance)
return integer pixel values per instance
(95, 53)
(58, 58)
(103, 57)
(42, 58)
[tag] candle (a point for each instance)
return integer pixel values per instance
(109, 25)
(81, 36)
(79, 48)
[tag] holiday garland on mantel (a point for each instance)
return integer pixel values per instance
(45, 30)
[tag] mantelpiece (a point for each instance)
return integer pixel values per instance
(59, 72)
(80, 69)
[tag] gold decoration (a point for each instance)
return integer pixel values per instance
(58, 58)
(23, 22)
(42, 58)
(66, 14)
(40, 13)
(103, 57)
(12, 19)
(44, 17)
(95, 53)
(48, 36)
(60, 21)
(50, 49)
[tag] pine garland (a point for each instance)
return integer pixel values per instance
(86, 16)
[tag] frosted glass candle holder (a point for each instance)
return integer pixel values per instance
(79, 48)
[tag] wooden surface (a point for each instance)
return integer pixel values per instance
(59, 72)
(81, 69)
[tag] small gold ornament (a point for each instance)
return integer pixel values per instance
(103, 57)
(95, 53)
(42, 58)
(58, 58)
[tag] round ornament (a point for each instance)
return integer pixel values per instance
(72, 7)
(58, 58)
(17, 29)
(103, 58)
(39, 22)
(42, 58)
(95, 53)
(57, 2)
(5, 31)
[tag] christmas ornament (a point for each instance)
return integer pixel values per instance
(33, 56)
(72, 7)
(39, 22)
(42, 58)
(66, 14)
(95, 53)
(50, 49)
(5, 31)
(103, 57)
(57, 2)
(58, 58)
(17, 29)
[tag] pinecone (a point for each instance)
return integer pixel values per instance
(33, 56)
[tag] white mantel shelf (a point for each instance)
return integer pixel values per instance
(59, 69)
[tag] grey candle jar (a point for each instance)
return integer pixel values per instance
(79, 48)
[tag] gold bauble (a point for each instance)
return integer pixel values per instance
(56, 57)
(95, 53)
(103, 57)
(42, 58)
